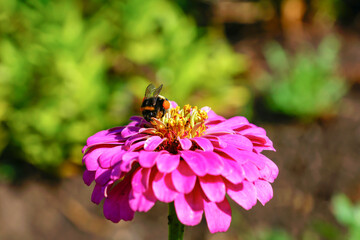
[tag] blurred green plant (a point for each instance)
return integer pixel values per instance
(305, 85)
(71, 68)
(328, 10)
(347, 214)
(268, 234)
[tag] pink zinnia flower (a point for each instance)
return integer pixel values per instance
(191, 157)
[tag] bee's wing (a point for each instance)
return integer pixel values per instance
(157, 91)
(150, 90)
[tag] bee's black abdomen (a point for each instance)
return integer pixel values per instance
(152, 108)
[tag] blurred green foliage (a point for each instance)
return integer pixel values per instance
(268, 234)
(305, 85)
(348, 214)
(71, 68)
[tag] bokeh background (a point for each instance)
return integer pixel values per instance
(71, 68)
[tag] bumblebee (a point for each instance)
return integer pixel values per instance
(154, 105)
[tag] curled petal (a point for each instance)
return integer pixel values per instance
(127, 161)
(264, 191)
(142, 201)
(134, 139)
(163, 187)
(148, 159)
(252, 173)
(195, 161)
(218, 215)
(98, 194)
(185, 143)
(183, 178)
(271, 172)
(88, 177)
(214, 163)
(232, 152)
(230, 124)
(243, 194)
(136, 146)
(204, 143)
(167, 162)
(254, 131)
(129, 131)
(106, 157)
(152, 143)
(213, 187)
(137, 118)
(90, 158)
(117, 173)
(116, 205)
(140, 180)
(110, 136)
(102, 176)
(237, 141)
(189, 208)
(233, 171)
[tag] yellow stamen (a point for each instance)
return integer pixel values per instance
(188, 122)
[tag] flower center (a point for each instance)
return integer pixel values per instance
(188, 122)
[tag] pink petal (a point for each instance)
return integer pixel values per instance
(116, 205)
(136, 146)
(254, 131)
(167, 162)
(129, 131)
(163, 187)
(213, 187)
(97, 194)
(183, 178)
(237, 141)
(218, 215)
(232, 152)
(252, 157)
(215, 130)
(134, 139)
(90, 158)
(195, 161)
(189, 207)
(232, 123)
(102, 176)
(185, 143)
(148, 159)
(243, 194)
(204, 143)
(127, 161)
(264, 191)
(140, 180)
(233, 171)
(110, 136)
(136, 118)
(273, 170)
(106, 157)
(88, 177)
(252, 173)
(116, 173)
(214, 163)
(152, 143)
(142, 201)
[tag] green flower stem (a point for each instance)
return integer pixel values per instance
(176, 228)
